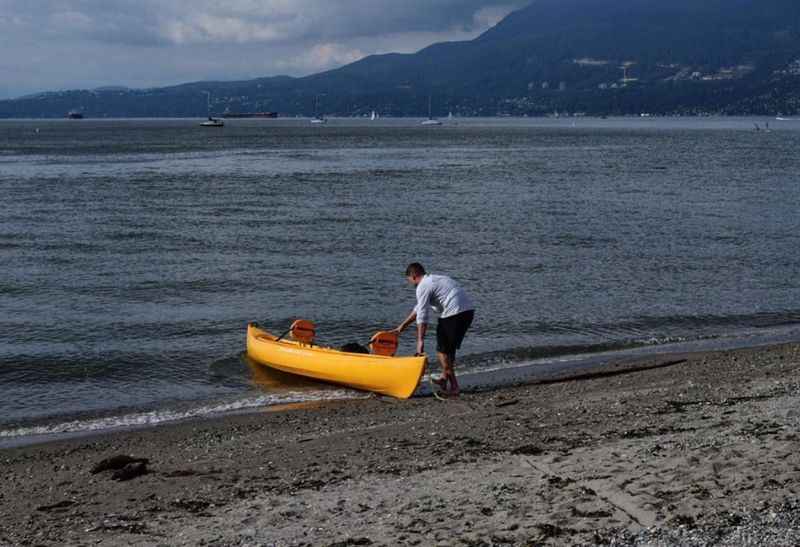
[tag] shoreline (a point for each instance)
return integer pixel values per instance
(703, 448)
(528, 372)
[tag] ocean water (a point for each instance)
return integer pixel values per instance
(134, 252)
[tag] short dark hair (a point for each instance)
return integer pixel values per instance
(415, 269)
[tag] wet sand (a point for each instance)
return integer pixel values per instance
(698, 449)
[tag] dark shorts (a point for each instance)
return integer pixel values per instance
(450, 332)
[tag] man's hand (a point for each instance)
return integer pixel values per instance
(398, 330)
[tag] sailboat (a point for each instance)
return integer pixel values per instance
(374, 116)
(317, 119)
(211, 122)
(431, 120)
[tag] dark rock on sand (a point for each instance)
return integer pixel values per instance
(117, 462)
(527, 450)
(130, 471)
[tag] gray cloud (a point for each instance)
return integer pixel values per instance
(51, 44)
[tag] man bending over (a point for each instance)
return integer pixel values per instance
(456, 311)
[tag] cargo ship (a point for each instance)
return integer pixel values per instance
(250, 115)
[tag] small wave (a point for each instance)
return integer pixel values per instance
(524, 356)
(71, 246)
(136, 235)
(510, 357)
(647, 329)
(15, 289)
(158, 417)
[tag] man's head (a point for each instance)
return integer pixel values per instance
(414, 273)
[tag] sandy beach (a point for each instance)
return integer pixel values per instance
(698, 449)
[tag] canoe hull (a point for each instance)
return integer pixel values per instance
(393, 376)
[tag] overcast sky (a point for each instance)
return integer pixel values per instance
(68, 44)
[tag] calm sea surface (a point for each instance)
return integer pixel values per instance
(134, 252)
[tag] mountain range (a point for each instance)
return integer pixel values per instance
(597, 57)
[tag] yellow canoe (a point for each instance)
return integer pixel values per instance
(393, 376)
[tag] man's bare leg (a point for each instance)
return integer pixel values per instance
(448, 374)
(442, 381)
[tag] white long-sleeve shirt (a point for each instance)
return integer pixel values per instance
(442, 294)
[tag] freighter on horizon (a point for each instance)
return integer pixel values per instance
(250, 115)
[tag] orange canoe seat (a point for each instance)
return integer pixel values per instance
(384, 343)
(303, 331)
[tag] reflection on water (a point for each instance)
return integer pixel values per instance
(271, 380)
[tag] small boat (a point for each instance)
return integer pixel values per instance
(431, 120)
(213, 122)
(380, 373)
(374, 116)
(318, 119)
(74, 115)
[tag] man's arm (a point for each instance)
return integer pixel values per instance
(422, 328)
(410, 319)
(419, 314)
